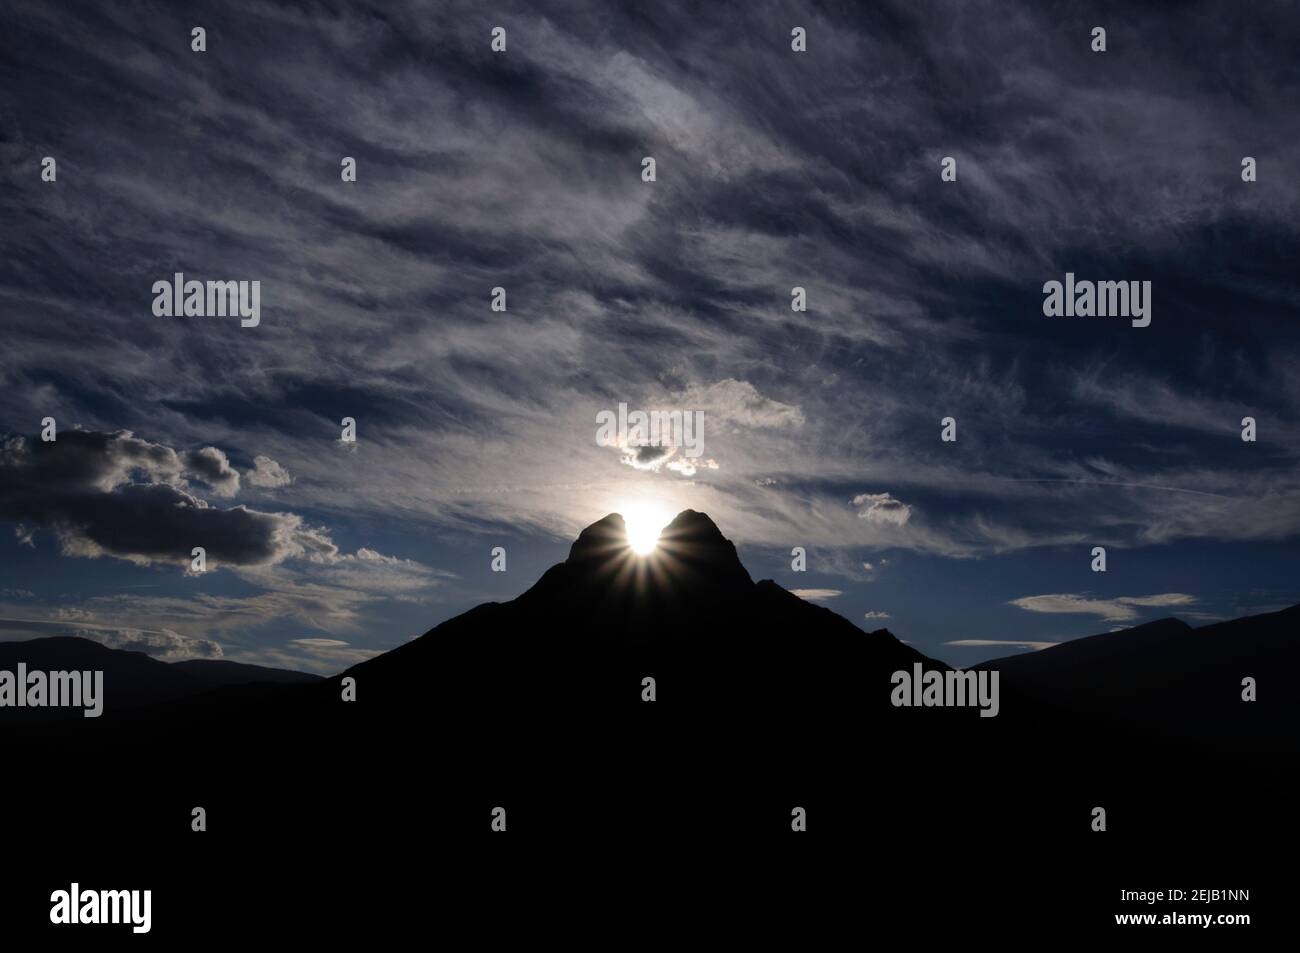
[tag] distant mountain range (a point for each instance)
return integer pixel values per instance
(132, 679)
(577, 645)
(1173, 681)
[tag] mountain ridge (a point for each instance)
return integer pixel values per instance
(585, 635)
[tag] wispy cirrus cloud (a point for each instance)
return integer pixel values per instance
(165, 644)
(776, 170)
(678, 289)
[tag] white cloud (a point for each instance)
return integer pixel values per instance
(321, 656)
(970, 643)
(738, 402)
(882, 508)
(266, 473)
(688, 467)
(165, 644)
(1117, 609)
(161, 643)
(817, 595)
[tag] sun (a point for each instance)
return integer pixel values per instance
(644, 522)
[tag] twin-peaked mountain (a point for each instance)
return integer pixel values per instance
(571, 656)
(761, 701)
(731, 662)
(582, 640)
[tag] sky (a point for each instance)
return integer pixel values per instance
(522, 170)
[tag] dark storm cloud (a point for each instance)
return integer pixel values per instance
(211, 466)
(117, 495)
(648, 456)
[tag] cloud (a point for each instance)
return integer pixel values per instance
(211, 466)
(113, 494)
(162, 643)
(71, 614)
(1012, 643)
(165, 644)
(875, 614)
(647, 457)
(1117, 609)
(680, 289)
(688, 467)
(321, 656)
(817, 595)
(654, 458)
(370, 572)
(739, 403)
(882, 508)
(871, 570)
(1163, 599)
(336, 594)
(267, 474)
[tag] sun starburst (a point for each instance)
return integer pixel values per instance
(644, 521)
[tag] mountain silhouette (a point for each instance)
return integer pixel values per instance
(748, 679)
(132, 679)
(221, 673)
(764, 704)
(600, 622)
(1170, 679)
(571, 656)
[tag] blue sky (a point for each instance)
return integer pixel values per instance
(521, 170)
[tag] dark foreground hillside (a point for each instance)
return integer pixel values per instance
(764, 703)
